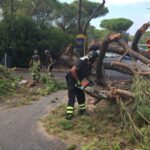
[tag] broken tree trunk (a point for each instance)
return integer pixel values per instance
(139, 33)
(132, 53)
(121, 67)
(111, 94)
(104, 48)
(125, 50)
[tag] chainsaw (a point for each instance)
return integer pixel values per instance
(93, 93)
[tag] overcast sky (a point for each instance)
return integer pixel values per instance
(136, 10)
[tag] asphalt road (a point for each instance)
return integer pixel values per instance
(60, 75)
(19, 129)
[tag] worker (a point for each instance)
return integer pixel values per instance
(80, 70)
(35, 66)
(49, 62)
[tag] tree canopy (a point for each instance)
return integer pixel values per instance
(41, 24)
(116, 24)
(66, 16)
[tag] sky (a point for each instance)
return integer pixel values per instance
(136, 10)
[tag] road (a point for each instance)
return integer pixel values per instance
(60, 75)
(19, 129)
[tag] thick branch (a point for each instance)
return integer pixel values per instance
(122, 93)
(133, 53)
(109, 66)
(105, 44)
(36, 6)
(124, 66)
(138, 35)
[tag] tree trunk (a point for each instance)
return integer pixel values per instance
(90, 18)
(84, 29)
(118, 66)
(79, 17)
(99, 65)
(138, 35)
(137, 38)
(125, 48)
(12, 8)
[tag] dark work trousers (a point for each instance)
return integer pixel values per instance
(74, 92)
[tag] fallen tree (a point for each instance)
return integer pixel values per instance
(122, 48)
(132, 98)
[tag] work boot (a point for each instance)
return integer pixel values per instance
(69, 116)
(83, 112)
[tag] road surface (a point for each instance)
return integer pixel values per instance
(60, 75)
(19, 129)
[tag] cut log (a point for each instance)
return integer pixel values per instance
(122, 93)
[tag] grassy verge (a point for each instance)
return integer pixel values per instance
(13, 94)
(100, 130)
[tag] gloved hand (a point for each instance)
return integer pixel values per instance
(85, 83)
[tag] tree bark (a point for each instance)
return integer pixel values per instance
(137, 38)
(99, 65)
(12, 7)
(123, 48)
(138, 35)
(116, 68)
(79, 17)
(133, 53)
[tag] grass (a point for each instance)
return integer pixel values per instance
(14, 95)
(100, 130)
(50, 85)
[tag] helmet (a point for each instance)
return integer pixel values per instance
(46, 51)
(92, 55)
(35, 51)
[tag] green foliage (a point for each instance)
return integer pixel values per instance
(117, 24)
(141, 107)
(136, 114)
(8, 81)
(145, 145)
(7, 87)
(40, 11)
(71, 147)
(66, 19)
(88, 8)
(65, 124)
(22, 35)
(50, 85)
(94, 33)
